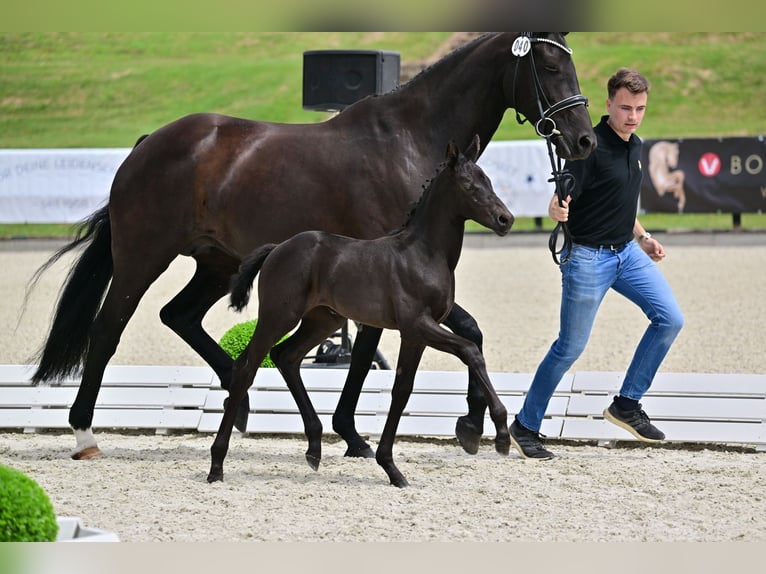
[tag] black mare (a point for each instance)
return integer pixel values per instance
(407, 280)
(214, 188)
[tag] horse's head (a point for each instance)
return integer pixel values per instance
(478, 199)
(541, 84)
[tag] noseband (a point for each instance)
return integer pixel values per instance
(546, 127)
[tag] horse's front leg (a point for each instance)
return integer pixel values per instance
(409, 359)
(471, 356)
(362, 354)
(470, 427)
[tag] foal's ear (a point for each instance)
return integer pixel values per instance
(472, 152)
(452, 154)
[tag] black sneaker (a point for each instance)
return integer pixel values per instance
(636, 422)
(528, 443)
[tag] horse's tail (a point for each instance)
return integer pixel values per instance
(63, 352)
(242, 283)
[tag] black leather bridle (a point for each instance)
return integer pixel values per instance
(546, 128)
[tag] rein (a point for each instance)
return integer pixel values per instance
(546, 128)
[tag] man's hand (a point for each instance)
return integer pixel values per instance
(558, 212)
(652, 248)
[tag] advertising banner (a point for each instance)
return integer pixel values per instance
(67, 185)
(724, 175)
(55, 185)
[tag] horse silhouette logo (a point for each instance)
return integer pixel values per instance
(664, 172)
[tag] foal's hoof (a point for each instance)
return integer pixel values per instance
(313, 461)
(243, 412)
(360, 452)
(503, 446)
(467, 435)
(87, 453)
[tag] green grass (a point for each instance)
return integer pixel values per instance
(656, 222)
(106, 89)
(90, 89)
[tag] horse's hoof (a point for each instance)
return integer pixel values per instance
(87, 453)
(503, 446)
(400, 482)
(215, 476)
(467, 435)
(360, 452)
(313, 461)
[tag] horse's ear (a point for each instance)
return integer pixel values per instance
(472, 152)
(452, 154)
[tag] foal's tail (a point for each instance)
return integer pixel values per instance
(80, 299)
(242, 283)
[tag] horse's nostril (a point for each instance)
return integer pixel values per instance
(587, 143)
(505, 221)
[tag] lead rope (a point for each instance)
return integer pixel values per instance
(565, 183)
(563, 179)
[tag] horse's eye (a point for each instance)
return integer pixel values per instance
(552, 69)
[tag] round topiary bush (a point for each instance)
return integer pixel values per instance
(26, 512)
(236, 339)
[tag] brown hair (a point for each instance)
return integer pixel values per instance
(629, 79)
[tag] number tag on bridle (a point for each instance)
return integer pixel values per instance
(521, 46)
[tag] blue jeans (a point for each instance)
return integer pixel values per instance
(585, 279)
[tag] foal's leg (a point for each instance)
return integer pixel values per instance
(315, 327)
(362, 354)
(434, 336)
(243, 373)
(470, 427)
(407, 364)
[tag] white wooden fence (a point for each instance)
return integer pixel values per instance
(688, 407)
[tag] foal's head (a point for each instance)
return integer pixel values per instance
(476, 197)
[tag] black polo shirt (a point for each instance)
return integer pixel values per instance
(607, 185)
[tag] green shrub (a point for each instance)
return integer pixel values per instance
(236, 339)
(26, 512)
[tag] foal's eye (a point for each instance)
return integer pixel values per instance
(553, 69)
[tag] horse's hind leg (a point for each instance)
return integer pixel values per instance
(242, 375)
(185, 312)
(406, 367)
(122, 298)
(470, 427)
(315, 327)
(362, 354)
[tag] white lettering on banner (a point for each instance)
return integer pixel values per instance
(753, 164)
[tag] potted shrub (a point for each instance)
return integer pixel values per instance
(236, 339)
(26, 512)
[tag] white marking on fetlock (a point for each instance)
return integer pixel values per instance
(85, 440)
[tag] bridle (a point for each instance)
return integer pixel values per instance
(545, 127)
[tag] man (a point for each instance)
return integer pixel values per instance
(610, 250)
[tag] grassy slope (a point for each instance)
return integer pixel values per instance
(105, 89)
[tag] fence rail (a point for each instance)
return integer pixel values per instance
(688, 407)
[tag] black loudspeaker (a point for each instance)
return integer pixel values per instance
(334, 79)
